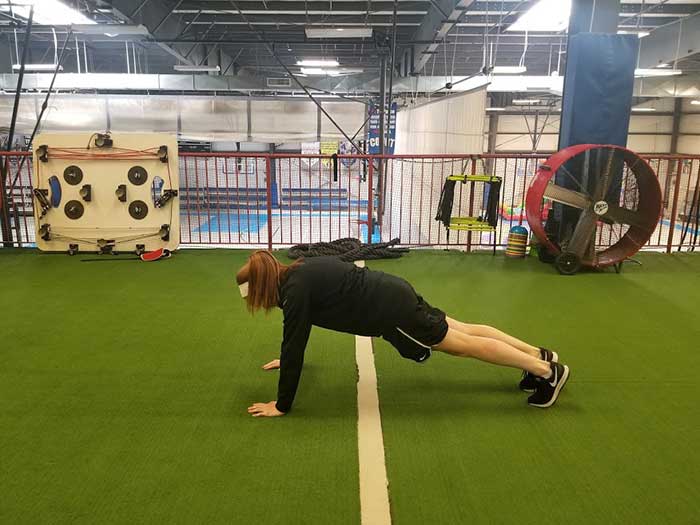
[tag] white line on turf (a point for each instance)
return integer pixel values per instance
(374, 486)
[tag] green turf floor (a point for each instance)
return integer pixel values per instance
(123, 395)
(621, 445)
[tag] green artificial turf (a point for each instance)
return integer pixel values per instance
(620, 446)
(123, 396)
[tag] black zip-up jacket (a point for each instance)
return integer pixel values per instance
(330, 293)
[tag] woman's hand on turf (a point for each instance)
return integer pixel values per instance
(272, 365)
(264, 409)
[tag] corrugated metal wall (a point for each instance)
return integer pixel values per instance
(690, 124)
(648, 132)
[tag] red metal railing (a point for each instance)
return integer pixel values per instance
(275, 200)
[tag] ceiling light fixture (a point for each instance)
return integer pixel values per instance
(51, 13)
(36, 67)
(317, 63)
(545, 15)
(641, 73)
(495, 109)
(338, 32)
(196, 69)
(318, 71)
(643, 110)
(639, 33)
(695, 102)
(508, 70)
(526, 101)
(111, 30)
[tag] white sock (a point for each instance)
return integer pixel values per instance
(547, 375)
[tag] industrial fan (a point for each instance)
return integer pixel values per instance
(608, 195)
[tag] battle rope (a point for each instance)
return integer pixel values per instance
(349, 250)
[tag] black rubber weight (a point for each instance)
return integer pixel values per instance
(74, 209)
(348, 250)
(137, 175)
(73, 175)
(138, 210)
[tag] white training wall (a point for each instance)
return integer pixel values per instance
(350, 116)
(453, 124)
(283, 120)
(450, 125)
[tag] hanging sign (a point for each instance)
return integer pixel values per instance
(373, 134)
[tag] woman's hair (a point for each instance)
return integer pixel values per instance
(264, 275)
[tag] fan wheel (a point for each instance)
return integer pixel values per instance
(567, 263)
(609, 193)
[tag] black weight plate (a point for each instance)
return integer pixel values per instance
(137, 175)
(73, 175)
(74, 209)
(138, 210)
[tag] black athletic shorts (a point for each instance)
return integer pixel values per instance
(421, 328)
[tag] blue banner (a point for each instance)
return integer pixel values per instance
(373, 134)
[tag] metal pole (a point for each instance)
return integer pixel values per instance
(268, 184)
(4, 203)
(284, 66)
(391, 68)
(77, 54)
(493, 135)
(535, 132)
(128, 67)
(382, 114)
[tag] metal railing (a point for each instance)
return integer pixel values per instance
(277, 200)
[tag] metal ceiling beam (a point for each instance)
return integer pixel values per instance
(158, 17)
(246, 7)
(670, 43)
(331, 18)
(495, 6)
(435, 27)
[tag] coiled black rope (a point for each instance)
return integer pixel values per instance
(349, 250)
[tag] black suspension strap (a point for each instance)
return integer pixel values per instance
(447, 198)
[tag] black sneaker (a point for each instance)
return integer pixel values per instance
(528, 382)
(548, 389)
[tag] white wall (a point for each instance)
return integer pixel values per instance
(450, 125)
(348, 115)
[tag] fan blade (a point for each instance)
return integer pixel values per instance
(624, 216)
(603, 183)
(583, 233)
(566, 196)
